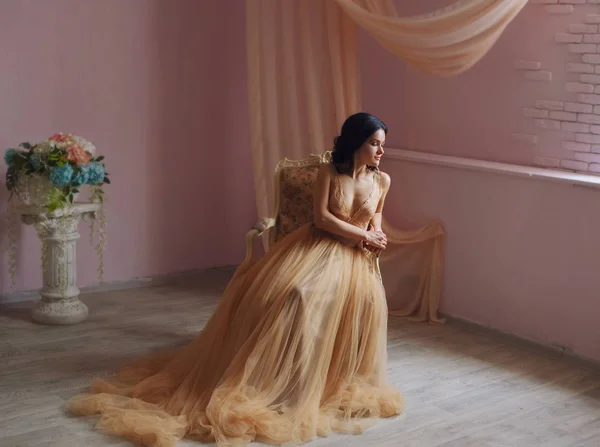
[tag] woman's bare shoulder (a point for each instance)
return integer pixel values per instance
(386, 180)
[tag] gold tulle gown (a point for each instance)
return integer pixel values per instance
(295, 349)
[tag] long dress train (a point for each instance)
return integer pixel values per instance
(295, 349)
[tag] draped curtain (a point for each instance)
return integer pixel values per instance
(304, 81)
(444, 42)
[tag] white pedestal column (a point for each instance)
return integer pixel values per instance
(58, 232)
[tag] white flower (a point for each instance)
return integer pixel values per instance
(86, 145)
(43, 148)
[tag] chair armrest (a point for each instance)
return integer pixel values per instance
(257, 230)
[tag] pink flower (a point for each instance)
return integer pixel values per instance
(76, 154)
(60, 137)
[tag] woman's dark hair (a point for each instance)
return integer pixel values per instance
(355, 131)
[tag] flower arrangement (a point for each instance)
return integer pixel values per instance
(64, 163)
(51, 174)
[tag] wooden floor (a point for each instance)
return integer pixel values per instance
(463, 389)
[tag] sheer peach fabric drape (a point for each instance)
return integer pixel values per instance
(445, 42)
(303, 83)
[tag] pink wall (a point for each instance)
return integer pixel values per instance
(522, 254)
(476, 113)
(160, 88)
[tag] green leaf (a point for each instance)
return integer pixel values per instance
(106, 180)
(100, 158)
(25, 145)
(20, 160)
(12, 177)
(59, 197)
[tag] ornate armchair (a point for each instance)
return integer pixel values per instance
(293, 200)
(411, 266)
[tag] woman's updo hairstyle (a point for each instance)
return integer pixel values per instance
(357, 129)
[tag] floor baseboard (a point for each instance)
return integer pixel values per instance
(146, 281)
(521, 342)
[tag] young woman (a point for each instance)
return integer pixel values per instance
(297, 345)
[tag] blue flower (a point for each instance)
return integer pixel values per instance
(36, 162)
(9, 156)
(82, 175)
(95, 173)
(61, 175)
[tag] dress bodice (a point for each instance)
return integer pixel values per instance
(340, 207)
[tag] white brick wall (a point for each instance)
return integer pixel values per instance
(587, 138)
(535, 113)
(571, 38)
(525, 138)
(527, 65)
(575, 109)
(538, 75)
(575, 127)
(589, 78)
(578, 87)
(577, 147)
(561, 9)
(582, 47)
(574, 165)
(563, 116)
(587, 157)
(589, 38)
(547, 124)
(591, 58)
(547, 162)
(592, 18)
(589, 99)
(578, 107)
(582, 28)
(588, 119)
(576, 67)
(549, 105)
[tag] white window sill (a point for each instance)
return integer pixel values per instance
(470, 164)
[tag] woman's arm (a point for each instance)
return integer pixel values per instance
(323, 218)
(386, 181)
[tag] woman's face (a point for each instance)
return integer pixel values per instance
(371, 151)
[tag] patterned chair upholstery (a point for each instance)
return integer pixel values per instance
(294, 181)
